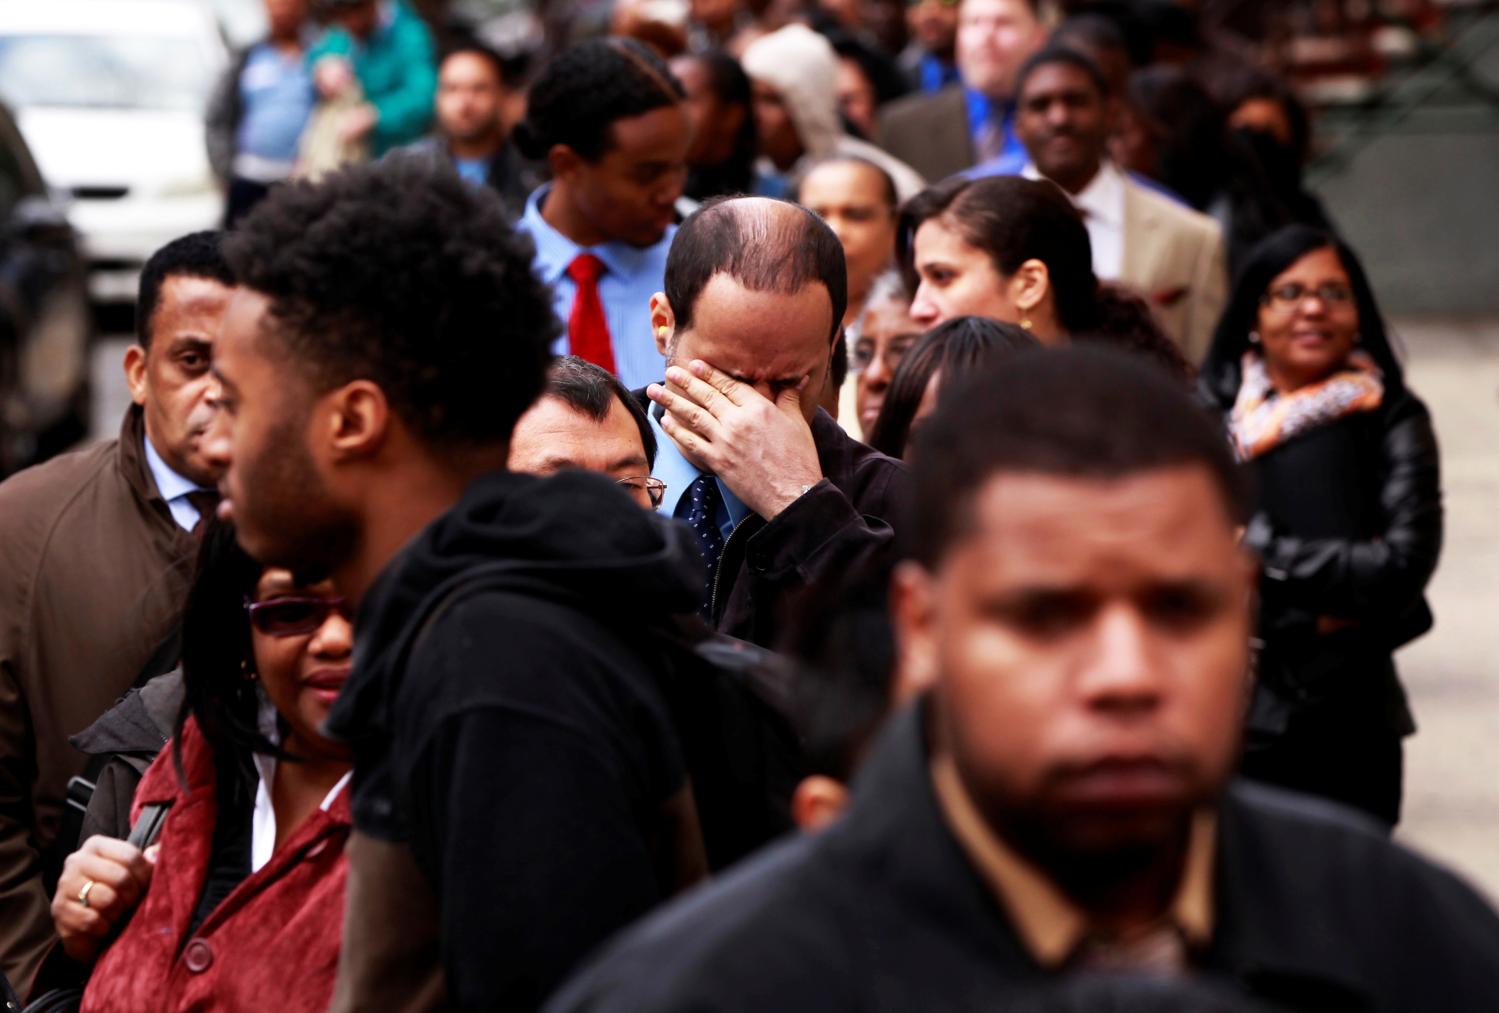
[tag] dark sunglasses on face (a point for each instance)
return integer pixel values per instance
(293, 617)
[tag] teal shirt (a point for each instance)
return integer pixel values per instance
(396, 67)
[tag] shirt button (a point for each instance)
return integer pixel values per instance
(198, 956)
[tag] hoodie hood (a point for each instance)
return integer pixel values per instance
(801, 65)
(574, 537)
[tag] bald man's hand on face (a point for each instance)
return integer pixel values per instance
(761, 449)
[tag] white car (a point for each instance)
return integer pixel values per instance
(110, 96)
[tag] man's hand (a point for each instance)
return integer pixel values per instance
(762, 450)
(101, 883)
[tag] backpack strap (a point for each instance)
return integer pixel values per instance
(148, 824)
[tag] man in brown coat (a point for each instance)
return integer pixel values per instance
(95, 556)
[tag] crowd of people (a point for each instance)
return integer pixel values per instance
(778, 506)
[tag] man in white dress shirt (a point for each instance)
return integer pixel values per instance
(1170, 255)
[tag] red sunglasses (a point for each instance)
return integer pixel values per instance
(293, 617)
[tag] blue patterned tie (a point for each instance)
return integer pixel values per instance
(703, 500)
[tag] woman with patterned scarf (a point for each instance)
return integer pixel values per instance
(1347, 521)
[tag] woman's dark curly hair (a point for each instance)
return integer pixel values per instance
(217, 658)
(585, 88)
(953, 348)
(1013, 220)
(1126, 323)
(401, 273)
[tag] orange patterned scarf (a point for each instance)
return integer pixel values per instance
(1263, 419)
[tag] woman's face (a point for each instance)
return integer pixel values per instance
(852, 199)
(886, 334)
(924, 410)
(303, 645)
(1308, 320)
(957, 280)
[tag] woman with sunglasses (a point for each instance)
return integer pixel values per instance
(1347, 518)
(241, 897)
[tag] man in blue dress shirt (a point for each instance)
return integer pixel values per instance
(608, 119)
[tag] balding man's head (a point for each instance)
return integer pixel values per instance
(763, 244)
(756, 288)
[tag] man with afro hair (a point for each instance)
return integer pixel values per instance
(519, 790)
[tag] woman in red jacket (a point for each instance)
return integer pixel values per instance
(239, 904)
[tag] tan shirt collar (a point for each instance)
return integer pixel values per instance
(1050, 926)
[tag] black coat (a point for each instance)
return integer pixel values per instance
(848, 523)
(519, 790)
(1348, 522)
(1314, 910)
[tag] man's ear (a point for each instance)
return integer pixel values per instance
(563, 161)
(816, 802)
(663, 322)
(357, 421)
(135, 373)
(1030, 285)
(913, 613)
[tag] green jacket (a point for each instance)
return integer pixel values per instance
(396, 67)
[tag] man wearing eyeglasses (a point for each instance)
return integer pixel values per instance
(587, 421)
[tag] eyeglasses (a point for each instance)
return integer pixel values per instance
(862, 356)
(293, 617)
(654, 488)
(1293, 293)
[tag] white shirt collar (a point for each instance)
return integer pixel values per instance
(1102, 199)
(263, 819)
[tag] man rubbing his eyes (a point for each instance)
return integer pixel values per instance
(776, 494)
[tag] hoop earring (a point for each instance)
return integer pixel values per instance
(246, 672)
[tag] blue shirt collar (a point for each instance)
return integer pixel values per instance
(170, 484)
(981, 108)
(678, 473)
(554, 251)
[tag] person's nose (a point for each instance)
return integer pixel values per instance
(923, 310)
(334, 639)
(876, 375)
(216, 443)
(1122, 675)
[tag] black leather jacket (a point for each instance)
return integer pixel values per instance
(1348, 522)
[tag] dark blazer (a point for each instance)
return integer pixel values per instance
(510, 174)
(883, 911)
(844, 524)
(93, 573)
(929, 132)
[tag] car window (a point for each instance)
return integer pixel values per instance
(94, 71)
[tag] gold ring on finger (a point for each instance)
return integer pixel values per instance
(84, 892)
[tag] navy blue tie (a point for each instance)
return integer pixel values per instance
(703, 500)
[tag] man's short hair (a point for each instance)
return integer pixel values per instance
(473, 47)
(766, 245)
(400, 273)
(1090, 413)
(1055, 54)
(195, 255)
(586, 88)
(591, 390)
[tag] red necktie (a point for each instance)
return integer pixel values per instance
(587, 330)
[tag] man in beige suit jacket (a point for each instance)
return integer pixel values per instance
(1169, 254)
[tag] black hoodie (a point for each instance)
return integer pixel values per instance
(524, 753)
